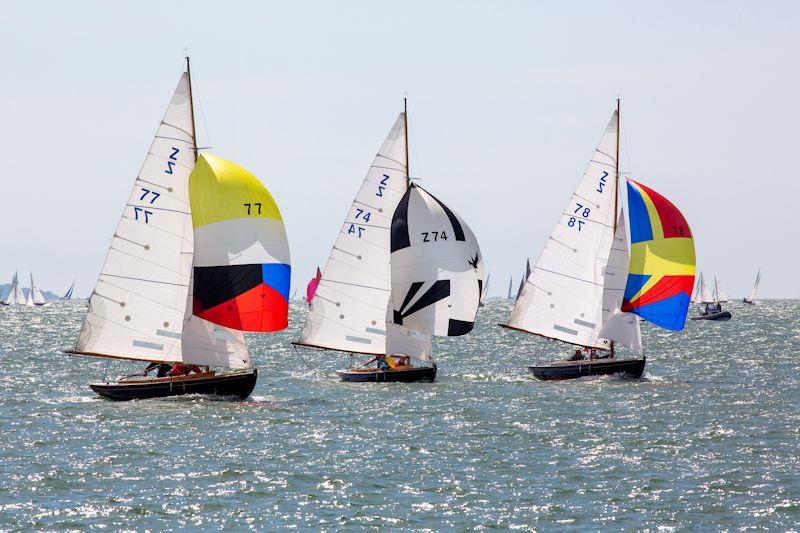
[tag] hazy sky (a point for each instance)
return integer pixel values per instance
(507, 102)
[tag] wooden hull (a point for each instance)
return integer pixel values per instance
(239, 384)
(560, 370)
(411, 375)
(723, 315)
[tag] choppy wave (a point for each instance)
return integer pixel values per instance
(707, 438)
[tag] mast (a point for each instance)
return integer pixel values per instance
(616, 171)
(405, 132)
(191, 107)
(616, 192)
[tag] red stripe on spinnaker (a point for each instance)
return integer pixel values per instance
(672, 221)
(666, 287)
(261, 308)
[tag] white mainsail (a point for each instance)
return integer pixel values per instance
(619, 326)
(15, 295)
(38, 297)
(751, 298)
(138, 309)
(719, 294)
(29, 296)
(563, 297)
(485, 292)
(348, 312)
(436, 267)
(705, 293)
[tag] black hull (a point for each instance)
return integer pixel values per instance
(577, 369)
(424, 374)
(724, 315)
(239, 384)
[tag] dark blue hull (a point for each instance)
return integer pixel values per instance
(559, 370)
(723, 315)
(239, 384)
(412, 375)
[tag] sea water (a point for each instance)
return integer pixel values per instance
(709, 438)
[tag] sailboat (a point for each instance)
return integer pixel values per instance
(311, 288)
(751, 298)
(485, 292)
(587, 287)
(70, 291)
(15, 295)
(35, 295)
(710, 308)
(524, 278)
(720, 295)
(200, 255)
(510, 295)
(404, 267)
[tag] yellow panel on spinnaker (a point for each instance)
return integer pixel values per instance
(220, 190)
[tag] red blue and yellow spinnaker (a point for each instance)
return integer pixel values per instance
(242, 270)
(662, 264)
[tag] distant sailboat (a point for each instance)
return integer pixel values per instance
(587, 285)
(36, 296)
(404, 268)
(485, 293)
(710, 307)
(311, 288)
(525, 278)
(199, 256)
(15, 294)
(720, 295)
(751, 298)
(70, 291)
(510, 295)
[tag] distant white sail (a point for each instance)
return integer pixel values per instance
(38, 297)
(485, 292)
(348, 312)
(751, 298)
(563, 297)
(29, 295)
(719, 294)
(619, 326)
(510, 284)
(436, 267)
(706, 297)
(15, 295)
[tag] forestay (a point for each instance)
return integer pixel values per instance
(437, 267)
(619, 326)
(563, 297)
(348, 311)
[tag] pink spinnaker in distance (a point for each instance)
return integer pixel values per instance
(311, 289)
